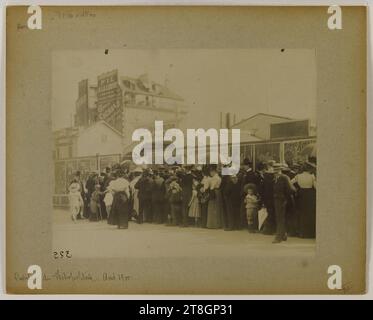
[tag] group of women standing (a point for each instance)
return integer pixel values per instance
(200, 196)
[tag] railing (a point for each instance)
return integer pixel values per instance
(65, 169)
(281, 151)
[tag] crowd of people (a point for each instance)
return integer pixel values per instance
(274, 199)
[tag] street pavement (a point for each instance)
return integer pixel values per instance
(87, 239)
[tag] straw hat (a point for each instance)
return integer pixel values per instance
(138, 169)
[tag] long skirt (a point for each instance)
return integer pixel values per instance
(292, 219)
(307, 213)
(136, 204)
(214, 211)
(204, 209)
(176, 216)
(119, 210)
(158, 211)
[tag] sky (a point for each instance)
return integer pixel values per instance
(241, 81)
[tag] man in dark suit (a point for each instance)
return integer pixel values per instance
(144, 185)
(158, 198)
(186, 183)
(282, 189)
(268, 201)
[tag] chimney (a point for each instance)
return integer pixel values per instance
(228, 120)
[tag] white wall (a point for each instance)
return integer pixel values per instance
(98, 139)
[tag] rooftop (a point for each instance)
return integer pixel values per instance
(262, 114)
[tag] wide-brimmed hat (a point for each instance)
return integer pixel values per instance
(250, 186)
(74, 188)
(270, 170)
(285, 167)
(173, 178)
(296, 165)
(270, 162)
(277, 167)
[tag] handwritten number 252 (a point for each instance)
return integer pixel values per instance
(62, 254)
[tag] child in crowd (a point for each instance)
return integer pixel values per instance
(175, 202)
(75, 199)
(252, 207)
(194, 206)
(108, 200)
(94, 204)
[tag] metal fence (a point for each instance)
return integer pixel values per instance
(288, 151)
(64, 170)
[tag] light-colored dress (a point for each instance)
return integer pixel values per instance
(194, 208)
(135, 195)
(75, 199)
(251, 204)
(76, 202)
(109, 197)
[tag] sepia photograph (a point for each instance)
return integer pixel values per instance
(99, 98)
(186, 150)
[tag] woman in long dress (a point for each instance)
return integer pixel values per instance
(119, 214)
(203, 196)
(306, 202)
(214, 213)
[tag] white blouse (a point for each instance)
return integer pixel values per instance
(215, 182)
(120, 185)
(205, 183)
(305, 180)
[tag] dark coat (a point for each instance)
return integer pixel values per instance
(158, 190)
(232, 193)
(145, 187)
(282, 187)
(267, 189)
(186, 184)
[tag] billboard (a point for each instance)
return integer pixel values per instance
(81, 117)
(109, 99)
(291, 129)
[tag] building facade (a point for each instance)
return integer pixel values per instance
(128, 103)
(86, 104)
(97, 139)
